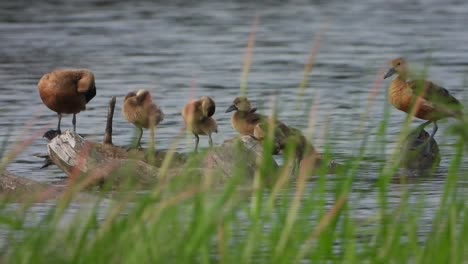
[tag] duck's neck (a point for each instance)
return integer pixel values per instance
(398, 84)
(403, 76)
(242, 113)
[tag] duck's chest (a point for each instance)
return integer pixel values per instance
(240, 123)
(400, 95)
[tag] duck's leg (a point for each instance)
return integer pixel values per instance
(424, 125)
(434, 130)
(197, 139)
(74, 123)
(58, 124)
(431, 137)
(138, 143)
(53, 133)
(210, 140)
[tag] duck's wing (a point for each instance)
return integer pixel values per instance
(84, 83)
(437, 97)
(156, 113)
(254, 118)
(433, 92)
(285, 135)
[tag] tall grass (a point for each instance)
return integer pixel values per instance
(272, 218)
(242, 220)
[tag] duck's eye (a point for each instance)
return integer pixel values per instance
(398, 64)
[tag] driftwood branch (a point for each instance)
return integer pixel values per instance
(110, 116)
(102, 162)
(13, 187)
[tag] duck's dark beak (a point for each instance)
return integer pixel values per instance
(390, 72)
(231, 108)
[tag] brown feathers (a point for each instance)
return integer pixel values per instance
(138, 108)
(197, 115)
(67, 91)
(431, 101)
(247, 122)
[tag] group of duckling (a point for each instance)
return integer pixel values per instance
(68, 92)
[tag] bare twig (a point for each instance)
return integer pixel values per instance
(110, 115)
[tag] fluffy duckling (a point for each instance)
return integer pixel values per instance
(138, 108)
(432, 102)
(247, 122)
(244, 120)
(198, 119)
(66, 92)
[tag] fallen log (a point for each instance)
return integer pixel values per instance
(101, 162)
(16, 188)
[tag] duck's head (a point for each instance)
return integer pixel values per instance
(208, 106)
(129, 95)
(139, 97)
(240, 104)
(398, 66)
(143, 96)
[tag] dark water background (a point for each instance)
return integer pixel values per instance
(181, 49)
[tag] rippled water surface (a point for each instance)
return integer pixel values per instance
(178, 50)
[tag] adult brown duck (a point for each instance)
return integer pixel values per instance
(66, 92)
(138, 108)
(421, 98)
(197, 115)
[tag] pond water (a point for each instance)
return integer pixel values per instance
(178, 50)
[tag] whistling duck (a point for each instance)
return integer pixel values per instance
(66, 92)
(138, 108)
(431, 102)
(247, 122)
(198, 119)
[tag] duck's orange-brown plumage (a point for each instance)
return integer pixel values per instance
(67, 91)
(247, 122)
(431, 102)
(197, 115)
(138, 108)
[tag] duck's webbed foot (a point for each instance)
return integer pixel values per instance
(51, 134)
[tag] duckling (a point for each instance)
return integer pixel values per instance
(138, 108)
(197, 115)
(66, 92)
(245, 119)
(432, 102)
(247, 122)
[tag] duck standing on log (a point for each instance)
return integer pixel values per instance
(138, 108)
(66, 92)
(431, 102)
(247, 122)
(197, 115)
